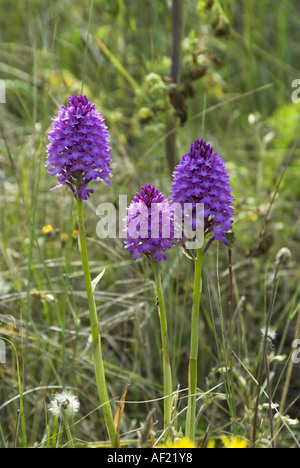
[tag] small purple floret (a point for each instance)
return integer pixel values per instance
(78, 148)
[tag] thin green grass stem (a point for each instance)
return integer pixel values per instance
(2, 438)
(261, 364)
(68, 431)
(21, 411)
(193, 361)
(96, 338)
(230, 331)
(167, 373)
(228, 362)
(86, 45)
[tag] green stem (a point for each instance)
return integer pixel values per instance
(68, 431)
(167, 373)
(96, 338)
(193, 363)
(230, 332)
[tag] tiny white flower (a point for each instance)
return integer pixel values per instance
(270, 338)
(287, 419)
(64, 404)
(266, 406)
(271, 333)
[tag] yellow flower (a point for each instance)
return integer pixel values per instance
(43, 296)
(47, 229)
(64, 237)
(75, 234)
(211, 443)
(234, 442)
(179, 443)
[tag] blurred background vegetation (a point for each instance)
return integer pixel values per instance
(163, 74)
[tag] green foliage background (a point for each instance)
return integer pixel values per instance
(237, 63)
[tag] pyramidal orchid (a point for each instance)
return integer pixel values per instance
(150, 233)
(201, 178)
(79, 152)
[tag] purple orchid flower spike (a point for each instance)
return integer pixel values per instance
(78, 148)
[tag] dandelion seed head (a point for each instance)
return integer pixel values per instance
(64, 404)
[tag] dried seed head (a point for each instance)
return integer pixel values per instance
(64, 404)
(283, 256)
